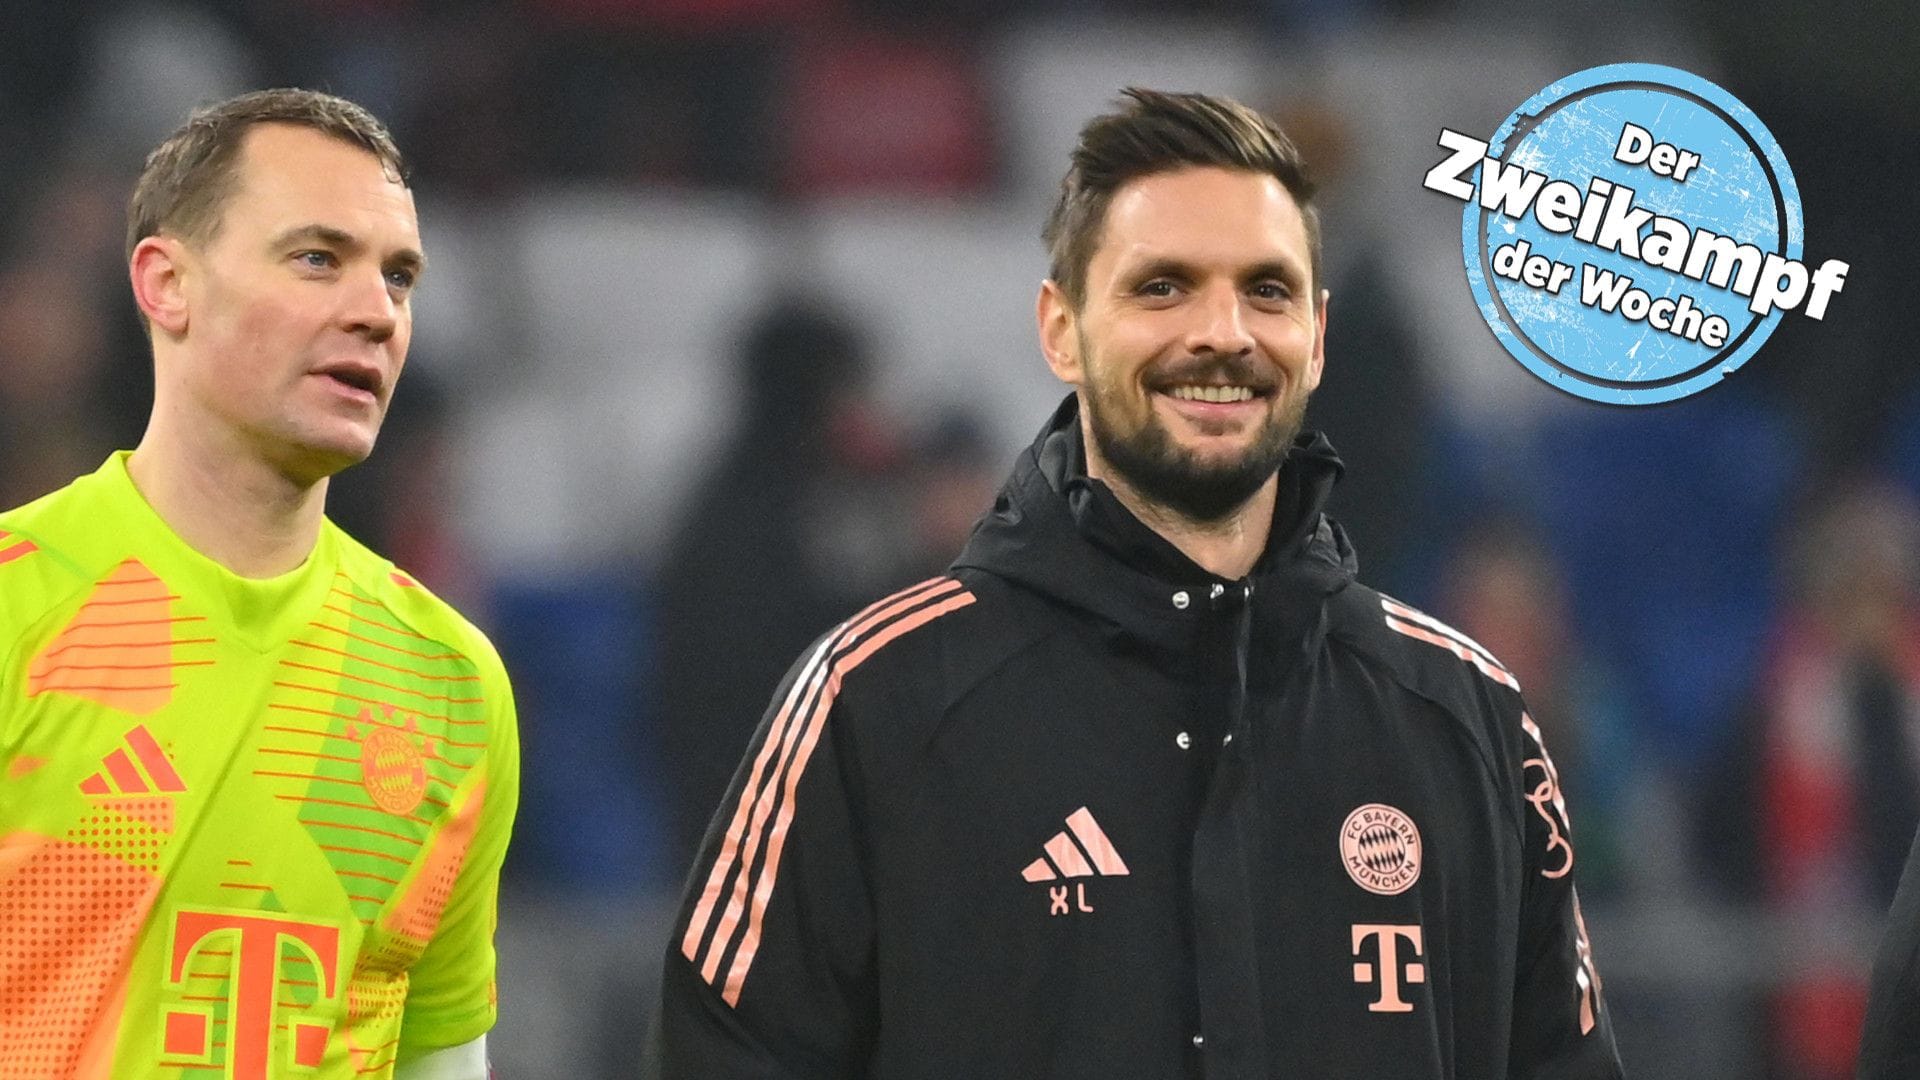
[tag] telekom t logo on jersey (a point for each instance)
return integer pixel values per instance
(253, 964)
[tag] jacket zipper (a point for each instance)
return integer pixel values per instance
(1232, 1040)
(1242, 648)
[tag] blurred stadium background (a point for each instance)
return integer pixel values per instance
(729, 328)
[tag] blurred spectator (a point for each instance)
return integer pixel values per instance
(1822, 789)
(674, 91)
(956, 476)
(799, 524)
(1903, 439)
(1375, 402)
(869, 112)
(684, 15)
(146, 66)
(398, 502)
(450, 77)
(1663, 521)
(40, 73)
(465, 115)
(1502, 588)
(74, 382)
(52, 360)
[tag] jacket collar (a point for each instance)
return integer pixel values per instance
(1063, 534)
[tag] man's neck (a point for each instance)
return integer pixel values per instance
(228, 504)
(1228, 547)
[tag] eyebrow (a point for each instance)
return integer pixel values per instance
(405, 258)
(1164, 266)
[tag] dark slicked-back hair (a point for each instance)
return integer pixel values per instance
(188, 177)
(1157, 132)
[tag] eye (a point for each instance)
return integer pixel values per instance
(1271, 291)
(316, 259)
(403, 280)
(1159, 288)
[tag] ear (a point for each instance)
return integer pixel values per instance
(158, 269)
(1058, 339)
(1319, 362)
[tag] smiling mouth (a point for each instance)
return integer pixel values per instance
(1220, 395)
(1214, 379)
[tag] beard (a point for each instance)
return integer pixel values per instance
(1169, 475)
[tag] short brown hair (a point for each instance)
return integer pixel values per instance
(188, 177)
(1156, 132)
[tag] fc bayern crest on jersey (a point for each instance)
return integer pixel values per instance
(392, 761)
(1380, 848)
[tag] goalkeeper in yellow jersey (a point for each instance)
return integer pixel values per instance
(255, 782)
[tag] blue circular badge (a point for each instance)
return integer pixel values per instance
(1635, 234)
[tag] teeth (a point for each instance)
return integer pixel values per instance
(1212, 393)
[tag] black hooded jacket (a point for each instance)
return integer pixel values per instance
(1083, 809)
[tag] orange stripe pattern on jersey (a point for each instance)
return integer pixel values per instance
(119, 648)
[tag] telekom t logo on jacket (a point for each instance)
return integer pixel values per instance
(253, 964)
(1092, 855)
(1389, 971)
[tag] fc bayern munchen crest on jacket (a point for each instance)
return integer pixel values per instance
(1381, 849)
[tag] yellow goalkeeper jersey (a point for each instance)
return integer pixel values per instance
(248, 828)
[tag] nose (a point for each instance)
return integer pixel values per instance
(1219, 322)
(369, 310)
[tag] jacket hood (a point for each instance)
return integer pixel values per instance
(1060, 533)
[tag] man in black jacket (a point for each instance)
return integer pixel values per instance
(1148, 786)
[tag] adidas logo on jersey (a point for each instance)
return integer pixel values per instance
(1092, 855)
(120, 776)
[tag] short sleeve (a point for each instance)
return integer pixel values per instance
(451, 995)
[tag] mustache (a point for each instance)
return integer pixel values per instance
(1234, 369)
